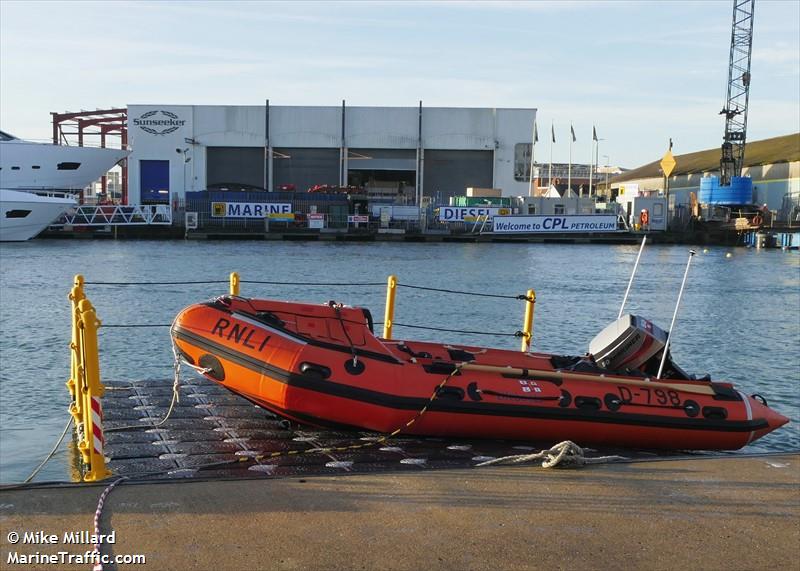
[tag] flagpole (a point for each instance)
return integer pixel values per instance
(597, 161)
(550, 170)
(569, 169)
(533, 147)
(591, 163)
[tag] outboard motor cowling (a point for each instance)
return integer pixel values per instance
(631, 343)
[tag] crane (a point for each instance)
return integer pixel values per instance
(735, 110)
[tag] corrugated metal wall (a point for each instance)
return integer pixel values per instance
(305, 168)
(449, 173)
(243, 165)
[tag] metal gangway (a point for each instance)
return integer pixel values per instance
(116, 215)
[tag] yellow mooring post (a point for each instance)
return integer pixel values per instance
(388, 316)
(75, 296)
(91, 446)
(527, 324)
(234, 283)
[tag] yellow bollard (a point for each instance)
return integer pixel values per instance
(76, 294)
(234, 283)
(93, 441)
(388, 316)
(527, 324)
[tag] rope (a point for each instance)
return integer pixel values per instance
(478, 294)
(157, 283)
(358, 284)
(326, 284)
(119, 325)
(98, 566)
(517, 334)
(379, 440)
(176, 366)
(50, 455)
(337, 307)
(564, 454)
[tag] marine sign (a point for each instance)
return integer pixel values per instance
(272, 210)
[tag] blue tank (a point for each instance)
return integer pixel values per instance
(739, 192)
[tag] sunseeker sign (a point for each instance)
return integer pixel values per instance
(550, 224)
(159, 122)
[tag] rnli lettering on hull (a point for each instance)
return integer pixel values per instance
(543, 224)
(240, 334)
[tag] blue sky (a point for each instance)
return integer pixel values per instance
(641, 71)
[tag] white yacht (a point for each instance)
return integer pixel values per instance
(29, 169)
(24, 214)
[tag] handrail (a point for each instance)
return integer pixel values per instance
(85, 385)
(117, 215)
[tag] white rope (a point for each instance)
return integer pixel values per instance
(98, 565)
(50, 455)
(176, 398)
(564, 454)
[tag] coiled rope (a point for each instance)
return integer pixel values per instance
(564, 454)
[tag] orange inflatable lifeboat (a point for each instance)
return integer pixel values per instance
(322, 365)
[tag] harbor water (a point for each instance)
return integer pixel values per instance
(739, 319)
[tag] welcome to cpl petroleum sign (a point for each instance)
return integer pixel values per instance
(154, 124)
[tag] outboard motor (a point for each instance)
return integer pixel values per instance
(633, 345)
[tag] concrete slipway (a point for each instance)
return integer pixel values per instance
(731, 513)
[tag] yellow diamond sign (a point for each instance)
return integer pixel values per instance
(668, 163)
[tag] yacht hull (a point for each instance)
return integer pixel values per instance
(23, 215)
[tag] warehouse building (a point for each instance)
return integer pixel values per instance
(773, 165)
(413, 155)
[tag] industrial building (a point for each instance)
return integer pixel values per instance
(773, 165)
(414, 155)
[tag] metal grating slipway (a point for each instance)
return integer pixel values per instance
(210, 430)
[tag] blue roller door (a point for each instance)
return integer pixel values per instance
(154, 177)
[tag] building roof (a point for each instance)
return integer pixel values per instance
(785, 149)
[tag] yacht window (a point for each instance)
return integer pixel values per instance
(17, 213)
(558, 209)
(36, 167)
(6, 137)
(68, 166)
(14, 168)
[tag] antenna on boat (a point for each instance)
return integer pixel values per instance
(675, 314)
(630, 283)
